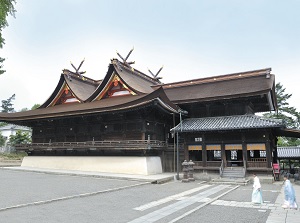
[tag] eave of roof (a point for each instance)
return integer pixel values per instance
(224, 123)
(113, 104)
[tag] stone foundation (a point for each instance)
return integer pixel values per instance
(106, 164)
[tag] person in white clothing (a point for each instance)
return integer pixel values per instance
(256, 193)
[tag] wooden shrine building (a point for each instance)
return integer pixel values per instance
(129, 114)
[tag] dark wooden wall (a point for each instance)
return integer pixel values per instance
(132, 125)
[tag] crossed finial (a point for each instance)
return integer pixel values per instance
(79, 73)
(155, 75)
(125, 60)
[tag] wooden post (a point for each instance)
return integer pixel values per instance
(223, 154)
(268, 151)
(244, 147)
(204, 154)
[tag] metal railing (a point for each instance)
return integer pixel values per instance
(94, 145)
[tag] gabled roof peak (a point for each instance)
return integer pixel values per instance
(121, 66)
(70, 75)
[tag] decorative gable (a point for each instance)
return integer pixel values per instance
(65, 96)
(115, 87)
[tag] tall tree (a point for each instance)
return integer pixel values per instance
(7, 105)
(6, 8)
(287, 113)
(2, 140)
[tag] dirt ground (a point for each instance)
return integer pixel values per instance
(7, 162)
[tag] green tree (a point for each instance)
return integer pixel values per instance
(7, 105)
(35, 106)
(2, 140)
(6, 8)
(287, 113)
(23, 109)
(19, 138)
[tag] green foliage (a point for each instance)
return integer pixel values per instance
(6, 8)
(13, 156)
(3, 124)
(24, 109)
(7, 105)
(35, 106)
(2, 140)
(20, 138)
(1, 65)
(287, 113)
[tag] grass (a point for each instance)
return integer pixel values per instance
(12, 156)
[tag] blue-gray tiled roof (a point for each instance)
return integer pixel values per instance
(227, 123)
(288, 152)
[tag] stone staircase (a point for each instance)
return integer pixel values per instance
(232, 175)
(233, 172)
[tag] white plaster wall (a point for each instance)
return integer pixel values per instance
(106, 164)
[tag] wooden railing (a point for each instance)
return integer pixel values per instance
(94, 145)
(213, 163)
(256, 164)
(258, 159)
(198, 163)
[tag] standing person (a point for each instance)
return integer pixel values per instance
(256, 193)
(289, 194)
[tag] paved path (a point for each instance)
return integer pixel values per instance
(29, 195)
(281, 215)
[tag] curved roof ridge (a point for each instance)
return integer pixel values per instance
(136, 72)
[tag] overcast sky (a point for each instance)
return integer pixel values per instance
(192, 39)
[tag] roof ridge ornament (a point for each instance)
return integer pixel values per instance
(155, 75)
(79, 73)
(128, 64)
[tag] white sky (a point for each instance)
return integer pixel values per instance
(192, 39)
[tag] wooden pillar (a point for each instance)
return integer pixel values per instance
(244, 147)
(268, 150)
(204, 154)
(185, 147)
(223, 154)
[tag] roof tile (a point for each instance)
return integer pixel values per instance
(227, 123)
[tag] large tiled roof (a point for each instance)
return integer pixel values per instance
(288, 152)
(227, 123)
(251, 83)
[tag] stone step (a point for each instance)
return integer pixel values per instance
(235, 172)
(240, 181)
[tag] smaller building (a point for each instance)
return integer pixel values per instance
(289, 158)
(8, 130)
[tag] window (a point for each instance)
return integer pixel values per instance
(251, 153)
(262, 153)
(217, 154)
(233, 154)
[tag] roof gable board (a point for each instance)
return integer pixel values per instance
(115, 86)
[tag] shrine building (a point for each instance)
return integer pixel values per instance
(131, 122)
